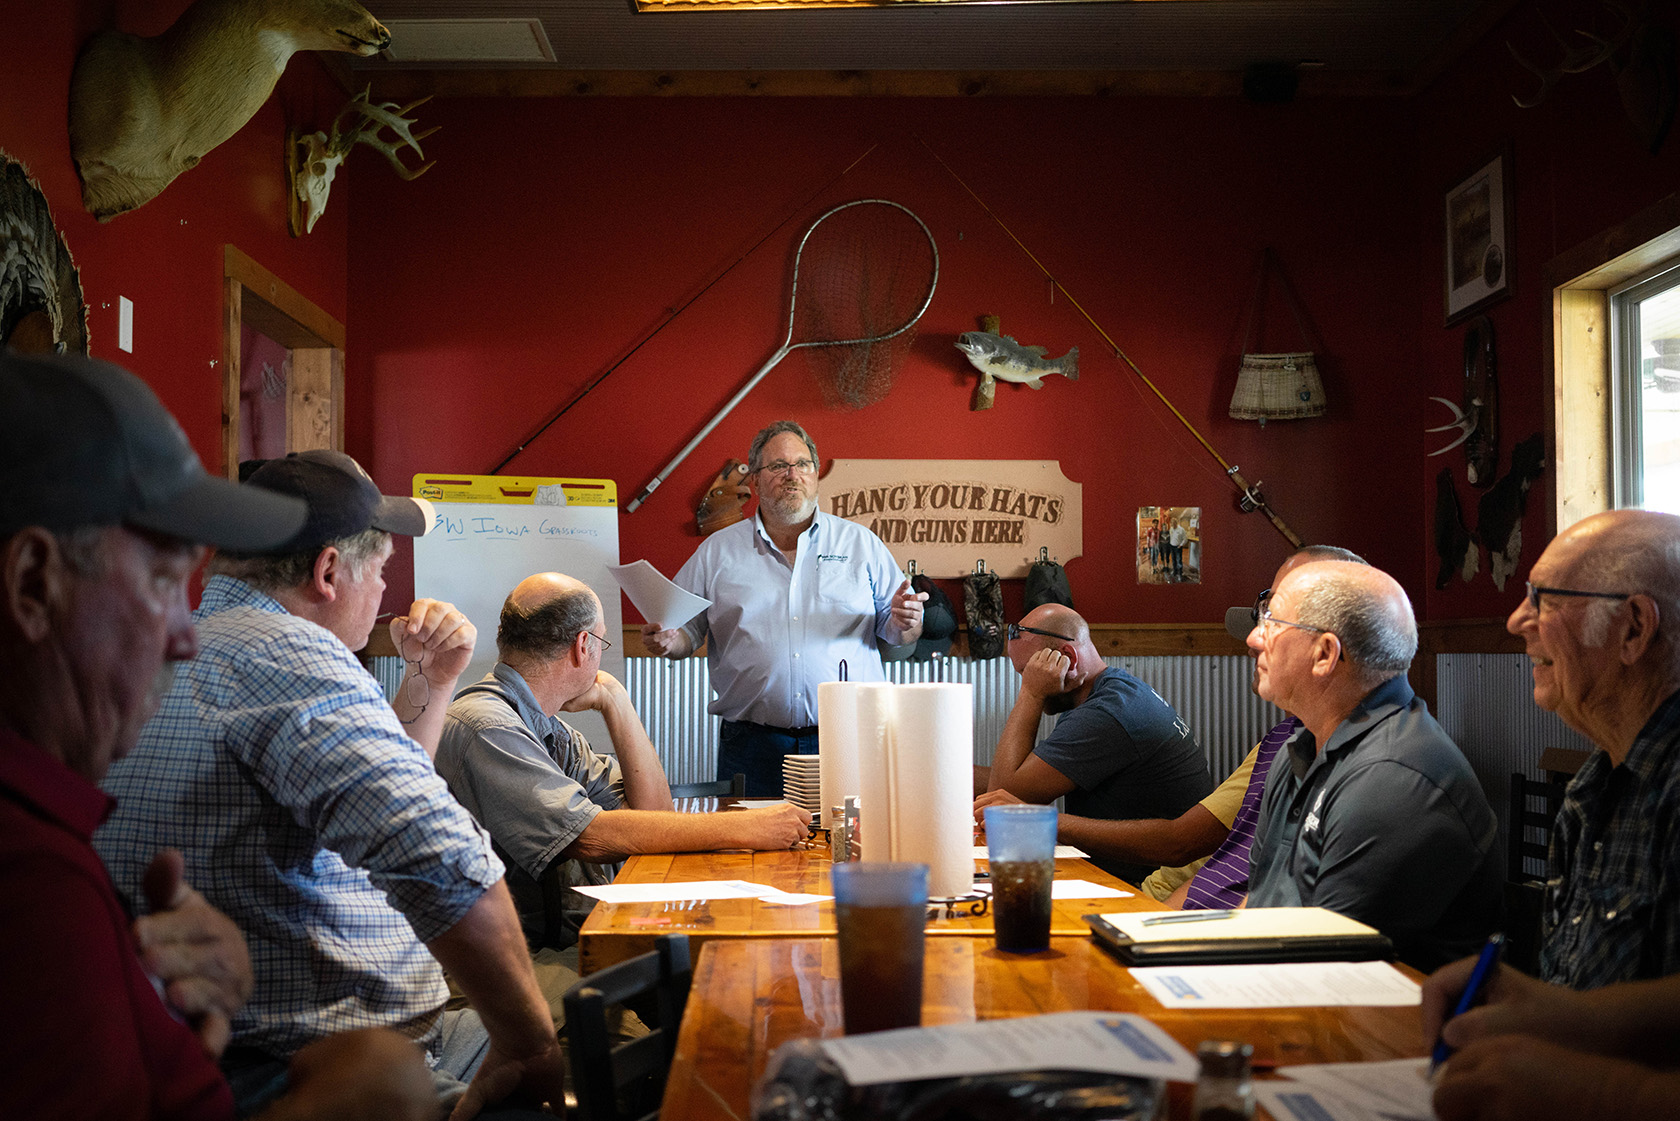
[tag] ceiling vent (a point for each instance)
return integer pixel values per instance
(467, 40)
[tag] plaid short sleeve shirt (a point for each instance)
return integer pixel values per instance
(1612, 910)
(307, 815)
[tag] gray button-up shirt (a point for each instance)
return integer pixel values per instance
(535, 784)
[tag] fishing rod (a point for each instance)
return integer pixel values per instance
(666, 322)
(1249, 498)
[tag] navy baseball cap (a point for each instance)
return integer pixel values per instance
(89, 444)
(343, 501)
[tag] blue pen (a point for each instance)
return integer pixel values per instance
(1479, 977)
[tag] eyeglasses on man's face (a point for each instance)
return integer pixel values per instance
(783, 467)
(1016, 630)
(1535, 591)
(1267, 619)
(606, 643)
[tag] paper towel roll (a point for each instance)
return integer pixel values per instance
(837, 745)
(931, 778)
(874, 744)
(916, 774)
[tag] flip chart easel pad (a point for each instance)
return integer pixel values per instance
(477, 552)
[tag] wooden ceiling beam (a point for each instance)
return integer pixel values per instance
(406, 84)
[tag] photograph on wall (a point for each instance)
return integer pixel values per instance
(1478, 236)
(1169, 545)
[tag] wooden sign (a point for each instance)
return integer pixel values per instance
(946, 514)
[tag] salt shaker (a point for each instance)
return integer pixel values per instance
(1224, 1090)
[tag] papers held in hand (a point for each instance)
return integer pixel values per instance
(1249, 935)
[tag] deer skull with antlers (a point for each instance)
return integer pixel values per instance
(313, 158)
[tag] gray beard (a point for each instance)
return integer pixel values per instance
(787, 511)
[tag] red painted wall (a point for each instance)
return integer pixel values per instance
(555, 235)
(166, 256)
(1577, 170)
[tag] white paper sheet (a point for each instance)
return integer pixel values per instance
(1068, 889)
(1105, 1042)
(1063, 852)
(1284, 985)
(1300, 1101)
(1398, 1088)
(661, 602)
(758, 803)
(792, 898)
(669, 893)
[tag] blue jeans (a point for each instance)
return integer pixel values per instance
(258, 1080)
(756, 750)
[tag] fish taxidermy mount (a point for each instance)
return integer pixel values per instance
(1001, 358)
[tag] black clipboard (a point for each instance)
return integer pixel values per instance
(1239, 951)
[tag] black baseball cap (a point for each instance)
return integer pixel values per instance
(88, 444)
(343, 501)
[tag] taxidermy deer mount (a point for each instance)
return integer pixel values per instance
(312, 159)
(1647, 79)
(144, 110)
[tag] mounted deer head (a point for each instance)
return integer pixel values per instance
(313, 158)
(144, 110)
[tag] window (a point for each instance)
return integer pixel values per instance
(1645, 365)
(1578, 378)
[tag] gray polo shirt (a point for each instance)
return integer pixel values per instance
(535, 784)
(1388, 825)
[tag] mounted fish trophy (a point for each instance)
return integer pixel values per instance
(312, 158)
(144, 110)
(999, 357)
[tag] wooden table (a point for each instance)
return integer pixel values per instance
(615, 932)
(751, 995)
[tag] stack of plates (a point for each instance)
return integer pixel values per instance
(801, 782)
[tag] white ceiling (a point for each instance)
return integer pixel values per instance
(1379, 45)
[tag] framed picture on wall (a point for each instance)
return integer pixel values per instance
(1478, 239)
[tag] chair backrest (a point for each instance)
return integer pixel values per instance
(1534, 809)
(601, 1071)
(723, 788)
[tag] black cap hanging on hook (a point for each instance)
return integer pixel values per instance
(1047, 582)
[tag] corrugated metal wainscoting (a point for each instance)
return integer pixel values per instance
(1487, 707)
(1211, 693)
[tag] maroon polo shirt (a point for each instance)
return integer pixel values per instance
(87, 1034)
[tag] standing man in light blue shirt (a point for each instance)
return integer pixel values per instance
(795, 592)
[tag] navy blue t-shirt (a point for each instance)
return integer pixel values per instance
(1129, 755)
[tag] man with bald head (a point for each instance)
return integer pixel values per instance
(559, 813)
(1118, 750)
(1599, 625)
(1370, 809)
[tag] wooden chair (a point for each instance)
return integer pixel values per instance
(615, 1083)
(1533, 808)
(1527, 817)
(723, 788)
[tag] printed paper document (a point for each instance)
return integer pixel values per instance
(1281, 985)
(661, 602)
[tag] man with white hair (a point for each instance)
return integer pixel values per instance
(1598, 624)
(1370, 810)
